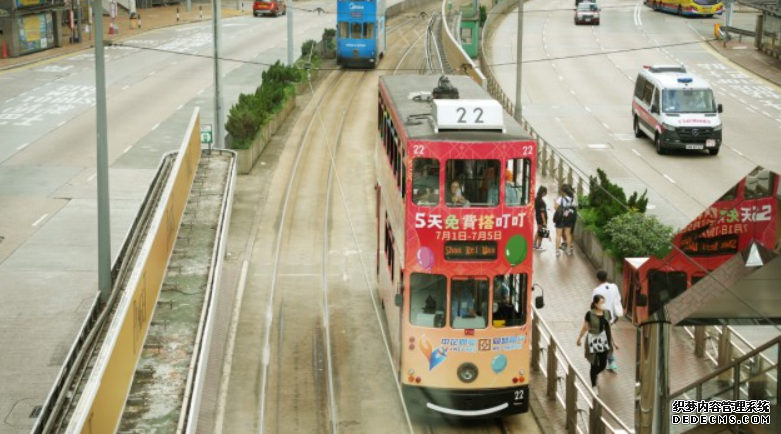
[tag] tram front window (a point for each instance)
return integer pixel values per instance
(428, 300)
(355, 30)
(469, 303)
(425, 181)
(509, 307)
(473, 183)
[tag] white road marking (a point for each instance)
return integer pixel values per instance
(672, 181)
(599, 146)
(9, 100)
(737, 152)
(152, 73)
(768, 115)
(754, 107)
(201, 91)
(126, 87)
(636, 153)
(588, 109)
(607, 127)
(750, 109)
(155, 127)
(127, 149)
(572, 91)
(180, 106)
(43, 217)
(61, 124)
(24, 145)
(92, 177)
(561, 78)
(740, 101)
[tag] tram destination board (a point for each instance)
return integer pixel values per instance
(470, 250)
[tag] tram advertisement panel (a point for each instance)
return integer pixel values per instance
(747, 213)
(468, 266)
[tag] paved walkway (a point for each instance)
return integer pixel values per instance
(151, 19)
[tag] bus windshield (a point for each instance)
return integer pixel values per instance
(688, 101)
(707, 2)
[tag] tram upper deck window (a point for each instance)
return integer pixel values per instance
(425, 181)
(368, 31)
(355, 30)
(517, 181)
(428, 300)
(473, 183)
(469, 303)
(344, 30)
(509, 306)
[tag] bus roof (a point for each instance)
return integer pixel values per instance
(400, 87)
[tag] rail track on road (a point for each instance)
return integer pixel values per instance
(307, 379)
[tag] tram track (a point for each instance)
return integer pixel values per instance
(296, 392)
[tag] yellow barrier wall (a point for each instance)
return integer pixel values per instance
(107, 391)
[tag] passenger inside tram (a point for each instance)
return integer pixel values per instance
(425, 181)
(512, 196)
(477, 183)
(508, 296)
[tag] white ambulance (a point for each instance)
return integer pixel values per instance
(676, 109)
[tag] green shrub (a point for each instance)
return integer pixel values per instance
(634, 234)
(243, 124)
(483, 15)
(308, 48)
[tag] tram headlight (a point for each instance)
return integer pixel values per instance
(467, 372)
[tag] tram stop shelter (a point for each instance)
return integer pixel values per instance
(29, 26)
(768, 27)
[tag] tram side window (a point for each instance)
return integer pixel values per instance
(425, 181)
(344, 32)
(509, 306)
(517, 182)
(469, 303)
(759, 185)
(355, 30)
(389, 252)
(428, 300)
(472, 183)
(368, 31)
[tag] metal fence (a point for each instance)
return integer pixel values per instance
(585, 411)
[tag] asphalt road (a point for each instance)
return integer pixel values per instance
(47, 174)
(577, 93)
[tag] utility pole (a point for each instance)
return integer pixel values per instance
(519, 65)
(728, 22)
(289, 13)
(216, 17)
(104, 221)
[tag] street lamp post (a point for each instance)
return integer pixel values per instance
(216, 17)
(104, 221)
(518, 66)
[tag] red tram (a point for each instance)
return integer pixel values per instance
(455, 187)
(745, 214)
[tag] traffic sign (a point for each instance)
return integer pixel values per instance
(206, 135)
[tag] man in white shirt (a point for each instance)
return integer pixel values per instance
(612, 297)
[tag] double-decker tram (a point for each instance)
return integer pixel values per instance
(360, 33)
(746, 214)
(455, 183)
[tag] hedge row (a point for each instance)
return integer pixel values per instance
(619, 223)
(254, 110)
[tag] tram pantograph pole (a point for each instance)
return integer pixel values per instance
(518, 66)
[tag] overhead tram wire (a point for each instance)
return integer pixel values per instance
(531, 61)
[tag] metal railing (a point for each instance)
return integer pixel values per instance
(585, 411)
(455, 54)
(752, 376)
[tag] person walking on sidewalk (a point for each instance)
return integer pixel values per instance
(612, 303)
(564, 218)
(541, 216)
(599, 343)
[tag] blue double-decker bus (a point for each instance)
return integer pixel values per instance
(360, 35)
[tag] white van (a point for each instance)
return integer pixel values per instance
(676, 109)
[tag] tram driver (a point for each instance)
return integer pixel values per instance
(462, 303)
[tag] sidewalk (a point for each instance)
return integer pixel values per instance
(151, 19)
(567, 282)
(743, 54)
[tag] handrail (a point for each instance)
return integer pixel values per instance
(722, 370)
(735, 348)
(539, 325)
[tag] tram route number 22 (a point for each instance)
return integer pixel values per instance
(418, 150)
(519, 395)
